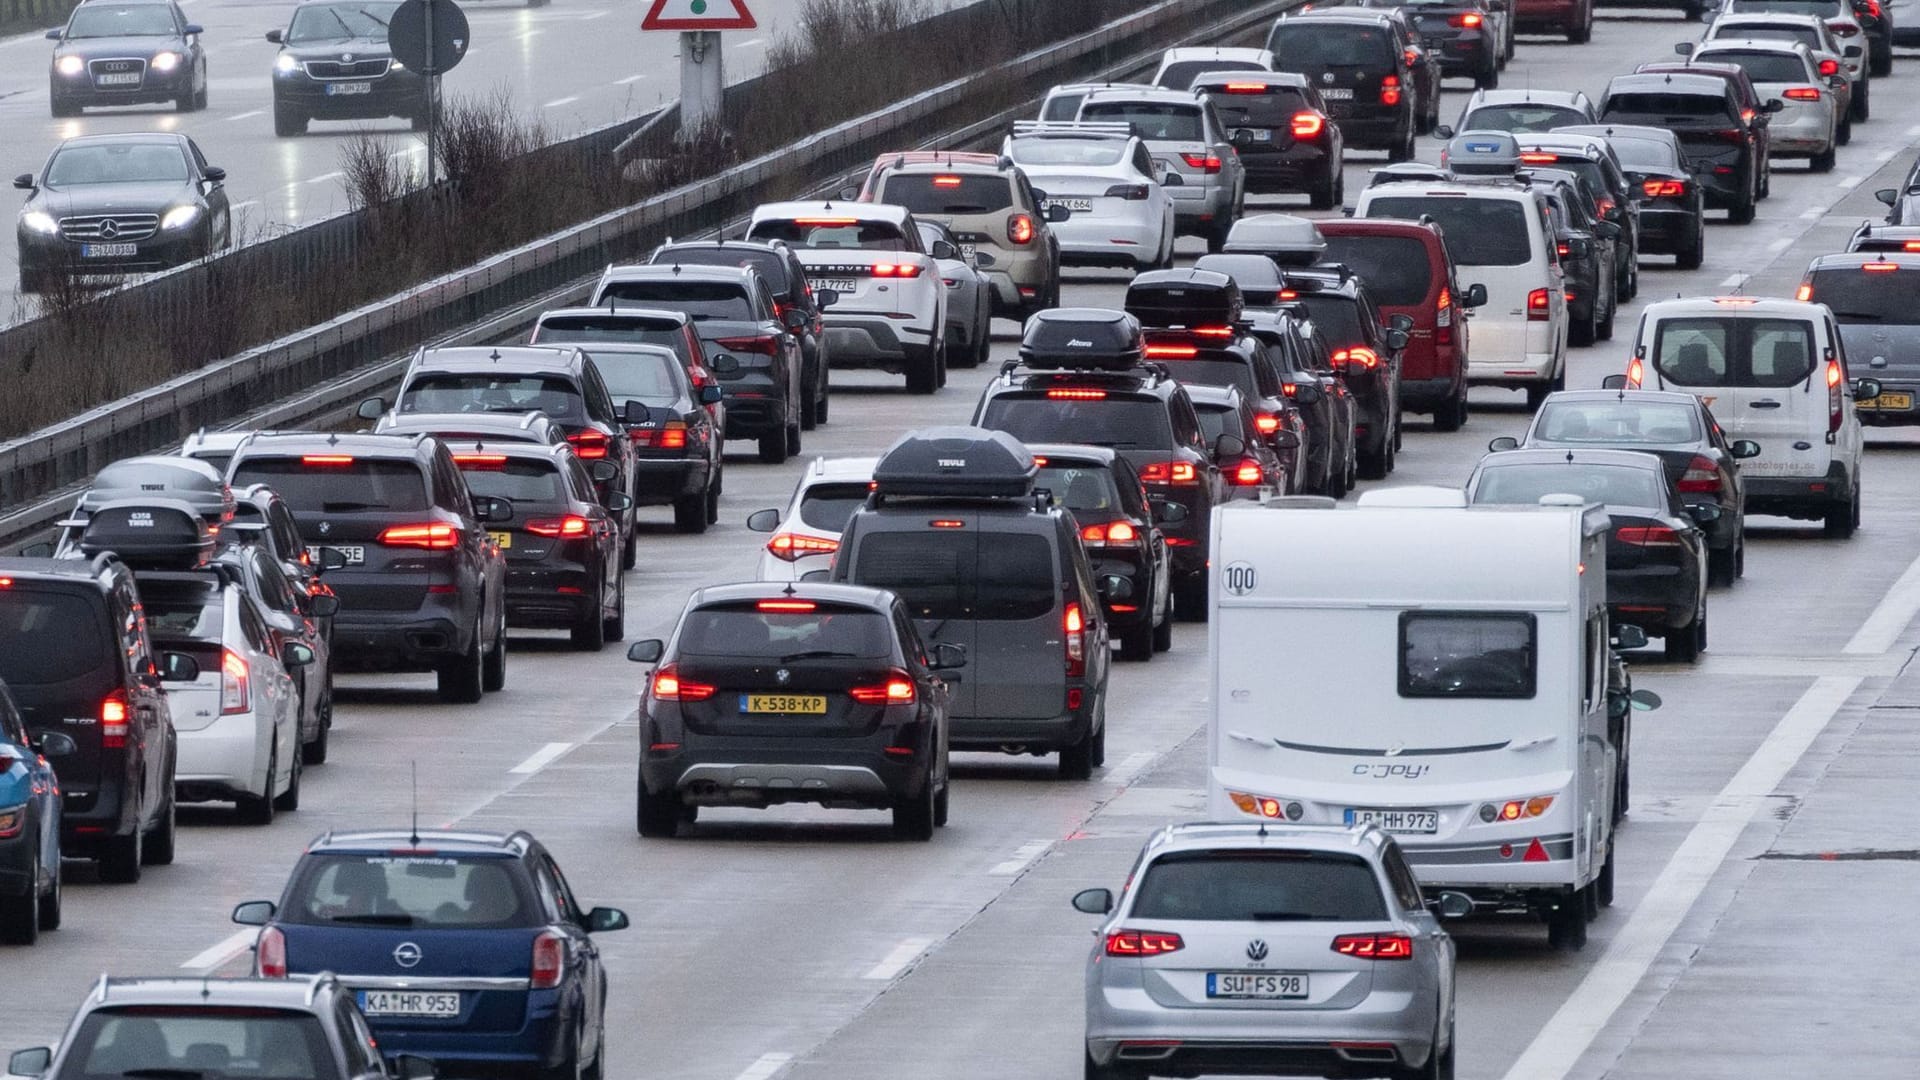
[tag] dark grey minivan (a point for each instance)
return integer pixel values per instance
(956, 529)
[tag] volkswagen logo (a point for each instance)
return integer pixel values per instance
(783, 676)
(1256, 950)
(407, 954)
(1326, 77)
(109, 228)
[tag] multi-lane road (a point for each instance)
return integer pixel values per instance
(1765, 873)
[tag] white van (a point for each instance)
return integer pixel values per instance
(1774, 372)
(1464, 712)
(1499, 235)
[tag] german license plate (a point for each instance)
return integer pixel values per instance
(1397, 821)
(130, 78)
(344, 89)
(1337, 93)
(1075, 205)
(504, 539)
(841, 285)
(1256, 134)
(814, 704)
(409, 1003)
(355, 554)
(108, 251)
(1886, 401)
(1257, 985)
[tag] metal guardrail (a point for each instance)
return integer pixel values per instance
(317, 373)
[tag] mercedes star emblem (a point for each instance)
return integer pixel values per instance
(1256, 949)
(109, 228)
(783, 676)
(407, 954)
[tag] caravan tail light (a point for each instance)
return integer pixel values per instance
(1143, 943)
(549, 960)
(1539, 305)
(1075, 623)
(1374, 946)
(897, 690)
(1835, 394)
(113, 721)
(1701, 476)
(270, 954)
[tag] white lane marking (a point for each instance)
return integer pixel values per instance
(1889, 617)
(326, 178)
(1813, 214)
(591, 15)
(215, 956)
(1849, 183)
(765, 1067)
(629, 79)
(557, 102)
(236, 207)
(542, 758)
(1733, 281)
(1780, 245)
(1558, 1047)
(1021, 857)
(1913, 132)
(248, 115)
(1128, 768)
(896, 961)
(749, 43)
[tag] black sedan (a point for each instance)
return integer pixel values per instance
(334, 64)
(1223, 411)
(1656, 553)
(1283, 132)
(769, 693)
(677, 446)
(127, 52)
(113, 204)
(1673, 206)
(1109, 503)
(1679, 429)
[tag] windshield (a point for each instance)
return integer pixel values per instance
(97, 20)
(1614, 423)
(1235, 373)
(650, 377)
(1123, 423)
(1869, 296)
(187, 1042)
(1163, 123)
(462, 392)
(1039, 151)
(1316, 46)
(332, 22)
(771, 265)
(1520, 117)
(702, 300)
(331, 486)
(561, 329)
(1180, 74)
(845, 234)
(1218, 420)
(1708, 351)
(1254, 886)
(1467, 654)
(947, 193)
(1480, 232)
(118, 163)
(425, 890)
(519, 479)
(741, 631)
(1396, 268)
(1762, 67)
(828, 506)
(1609, 485)
(1338, 318)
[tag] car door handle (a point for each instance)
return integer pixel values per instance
(1763, 403)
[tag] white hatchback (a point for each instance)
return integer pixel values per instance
(807, 534)
(1105, 176)
(1810, 115)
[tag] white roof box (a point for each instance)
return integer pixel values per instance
(1483, 153)
(1289, 240)
(1436, 498)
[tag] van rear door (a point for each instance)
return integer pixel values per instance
(1757, 374)
(1020, 635)
(931, 569)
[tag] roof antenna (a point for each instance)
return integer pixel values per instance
(495, 355)
(788, 591)
(414, 838)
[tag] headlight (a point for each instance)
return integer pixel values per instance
(180, 217)
(285, 63)
(70, 65)
(40, 221)
(165, 61)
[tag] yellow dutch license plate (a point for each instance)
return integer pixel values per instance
(1886, 401)
(504, 539)
(783, 703)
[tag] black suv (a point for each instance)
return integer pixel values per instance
(75, 652)
(1722, 146)
(1586, 248)
(1083, 377)
(1377, 81)
(781, 268)
(421, 584)
(1121, 531)
(1366, 353)
(771, 693)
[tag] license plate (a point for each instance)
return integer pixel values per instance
(343, 89)
(815, 704)
(966, 252)
(1337, 93)
(1076, 205)
(841, 285)
(131, 78)
(409, 1003)
(1886, 401)
(1257, 985)
(355, 555)
(1397, 821)
(504, 539)
(108, 251)
(1256, 134)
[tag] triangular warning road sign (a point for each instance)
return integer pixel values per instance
(698, 15)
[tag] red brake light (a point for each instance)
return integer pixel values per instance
(1801, 93)
(897, 690)
(1077, 395)
(1539, 157)
(787, 607)
(1246, 88)
(947, 523)
(1829, 68)
(1143, 943)
(1563, 249)
(1266, 423)
(1118, 532)
(113, 721)
(569, 527)
(1468, 20)
(1701, 476)
(1374, 946)
(1075, 625)
(1879, 267)
(1020, 229)
(270, 954)
(893, 270)
(792, 546)
(236, 683)
(946, 181)
(1306, 125)
(761, 345)
(325, 460)
(1168, 472)
(481, 462)
(1172, 352)
(1390, 89)
(590, 445)
(1843, 29)
(549, 960)
(830, 221)
(1664, 189)
(1207, 163)
(668, 687)
(1835, 412)
(1648, 536)
(1804, 292)
(1359, 355)
(1213, 331)
(433, 535)
(1539, 305)
(1248, 474)
(671, 437)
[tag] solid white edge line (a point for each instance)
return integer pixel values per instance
(557, 102)
(1021, 857)
(541, 758)
(215, 956)
(1128, 768)
(1889, 617)
(896, 961)
(325, 177)
(629, 79)
(764, 1067)
(1560, 1044)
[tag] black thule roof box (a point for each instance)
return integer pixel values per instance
(1187, 298)
(1084, 338)
(955, 462)
(149, 533)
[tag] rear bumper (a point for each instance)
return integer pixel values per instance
(1125, 1025)
(1197, 205)
(540, 1040)
(224, 760)
(1545, 14)
(1426, 395)
(1037, 736)
(1891, 417)
(1653, 598)
(1797, 496)
(873, 341)
(1290, 171)
(551, 595)
(400, 641)
(658, 481)
(1108, 241)
(758, 771)
(1374, 129)
(1667, 232)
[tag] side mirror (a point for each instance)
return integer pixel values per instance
(1772, 106)
(647, 651)
(275, 36)
(415, 1067)
(983, 260)
(492, 508)
(1242, 138)
(1864, 389)
(1614, 382)
(56, 33)
(25, 183)
(1837, 82)
(814, 575)
(940, 249)
(712, 395)
(295, 654)
(1227, 446)
(826, 298)
(1094, 901)
(1629, 637)
(795, 320)
(1444, 131)
(1402, 323)
(1169, 513)
(1683, 48)
(602, 919)
(1645, 700)
(1476, 296)
(39, 1059)
(178, 667)
(1744, 448)
(1579, 247)
(1852, 52)
(254, 912)
(1704, 512)
(332, 559)
(1307, 392)
(618, 501)
(849, 194)
(1115, 588)
(948, 655)
(371, 409)
(1503, 444)
(603, 471)
(763, 520)
(214, 174)
(323, 605)
(1284, 440)
(1885, 195)
(724, 364)
(1058, 212)
(1172, 179)
(1397, 339)
(1607, 230)
(1452, 905)
(634, 414)
(193, 28)
(54, 744)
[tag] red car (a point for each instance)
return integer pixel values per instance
(1573, 18)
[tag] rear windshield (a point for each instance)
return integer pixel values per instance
(1218, 420)
(338, 487)
(1080, 487)
(1063, 106)
(828, 630)
(1712, 351)
(1235, 373)
(1864, 296)
(1271, 109)
(947, 193)
(1121, 422)
(1068, 151)
(522, 480)
(832, 234)
(1520, 117)
(183, 609)
(1585, 168)
(1260, 886)
(456, 392)
(702, 300)
(1645, 153)
(1805, 35)
(1180, 74)
(1480, 232)
(1761, 67)
(1337, 316)
(770, 264)
(1658, 109)
(828, 506)
(419, 891)
(44, 634)
(1165, 123)
(567, 328)
(651, 377)
(198, 1041)
(1822, 8)
(1395, 268)
(1461, 654)
(1610, 485)
(956, 574)
(1316, 46)
(1614, 423)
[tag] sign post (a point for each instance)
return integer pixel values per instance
(429, 36)
(702, 80)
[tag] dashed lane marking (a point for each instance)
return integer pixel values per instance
(1022, 856)
(897, 961)
(541, 758)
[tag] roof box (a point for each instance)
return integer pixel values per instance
(1258, 277)
(1418, 172)
(1288, 240)
(1483, 153)
(1083, 338)
(1188, 297)
(1427, 497)
(151, 534)
(956, 462)
(197, 483)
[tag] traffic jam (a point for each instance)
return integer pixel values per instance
(1259, 484)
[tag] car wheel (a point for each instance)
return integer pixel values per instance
(62, 108)
(315, 752)
(690, 513)
(460, 677)
(290, 798)
(1842, 518)
(630, 550)
(571, 1067)
(20, 915)
(288, 120)
(1683, 643)
(1603, 330)
(200, 95)
(1567, 923)
(1439, 1064)
(1862, 107)
(1720, 566)
(157, 848)
(120, 858)
(1880, 64)
(1823, 161)
(713, 502)
(1488, 79)
(940, 802)
(1076, 761)
(657, 815)
(923, 371)
(493, 667)
(50, 901)
(1136, 643)
(1742, 212)
(258, 809)
(1603, 886)
(1537, 393)
(1451, 414)
(1190, 598)
(773, 448)
(588, 632)
(616, 624)
(1095, 1071)
(1322, 196)
(1163, 633)
(1845, 134)
(1694, 255)
(913, 816)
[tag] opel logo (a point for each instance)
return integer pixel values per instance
(407, 954)
(109, 228)
(783, 676)
(1256, 949)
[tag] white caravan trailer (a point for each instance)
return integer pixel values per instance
(1437, 669)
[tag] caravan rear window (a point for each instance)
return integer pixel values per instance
(1467, 654)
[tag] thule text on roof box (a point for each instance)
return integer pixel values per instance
(956, 462)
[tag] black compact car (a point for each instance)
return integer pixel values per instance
(1223, 411)
(421, 583)
(1287, 139)
(127, 52)
(1121, 532)
(1672, 217)
(1458, 35)
(1295, 348)
(75, 652)
(1378, 83)
(677, 445)
(1083, 377)
(116, 204)
(335, 64)
(1597, 163)
(1586, 249)
(1656, 553)
(769, 693)
(1679, 429)
(1366, 355)
(1722, 145)
(781, 268)
(562, 544)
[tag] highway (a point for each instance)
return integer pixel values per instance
(1764, 870)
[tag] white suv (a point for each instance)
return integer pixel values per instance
(807, 534)
(1774, 372)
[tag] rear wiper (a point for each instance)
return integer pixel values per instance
(370, 919)
(1287, 916)
(819, 654)
(344, 507)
